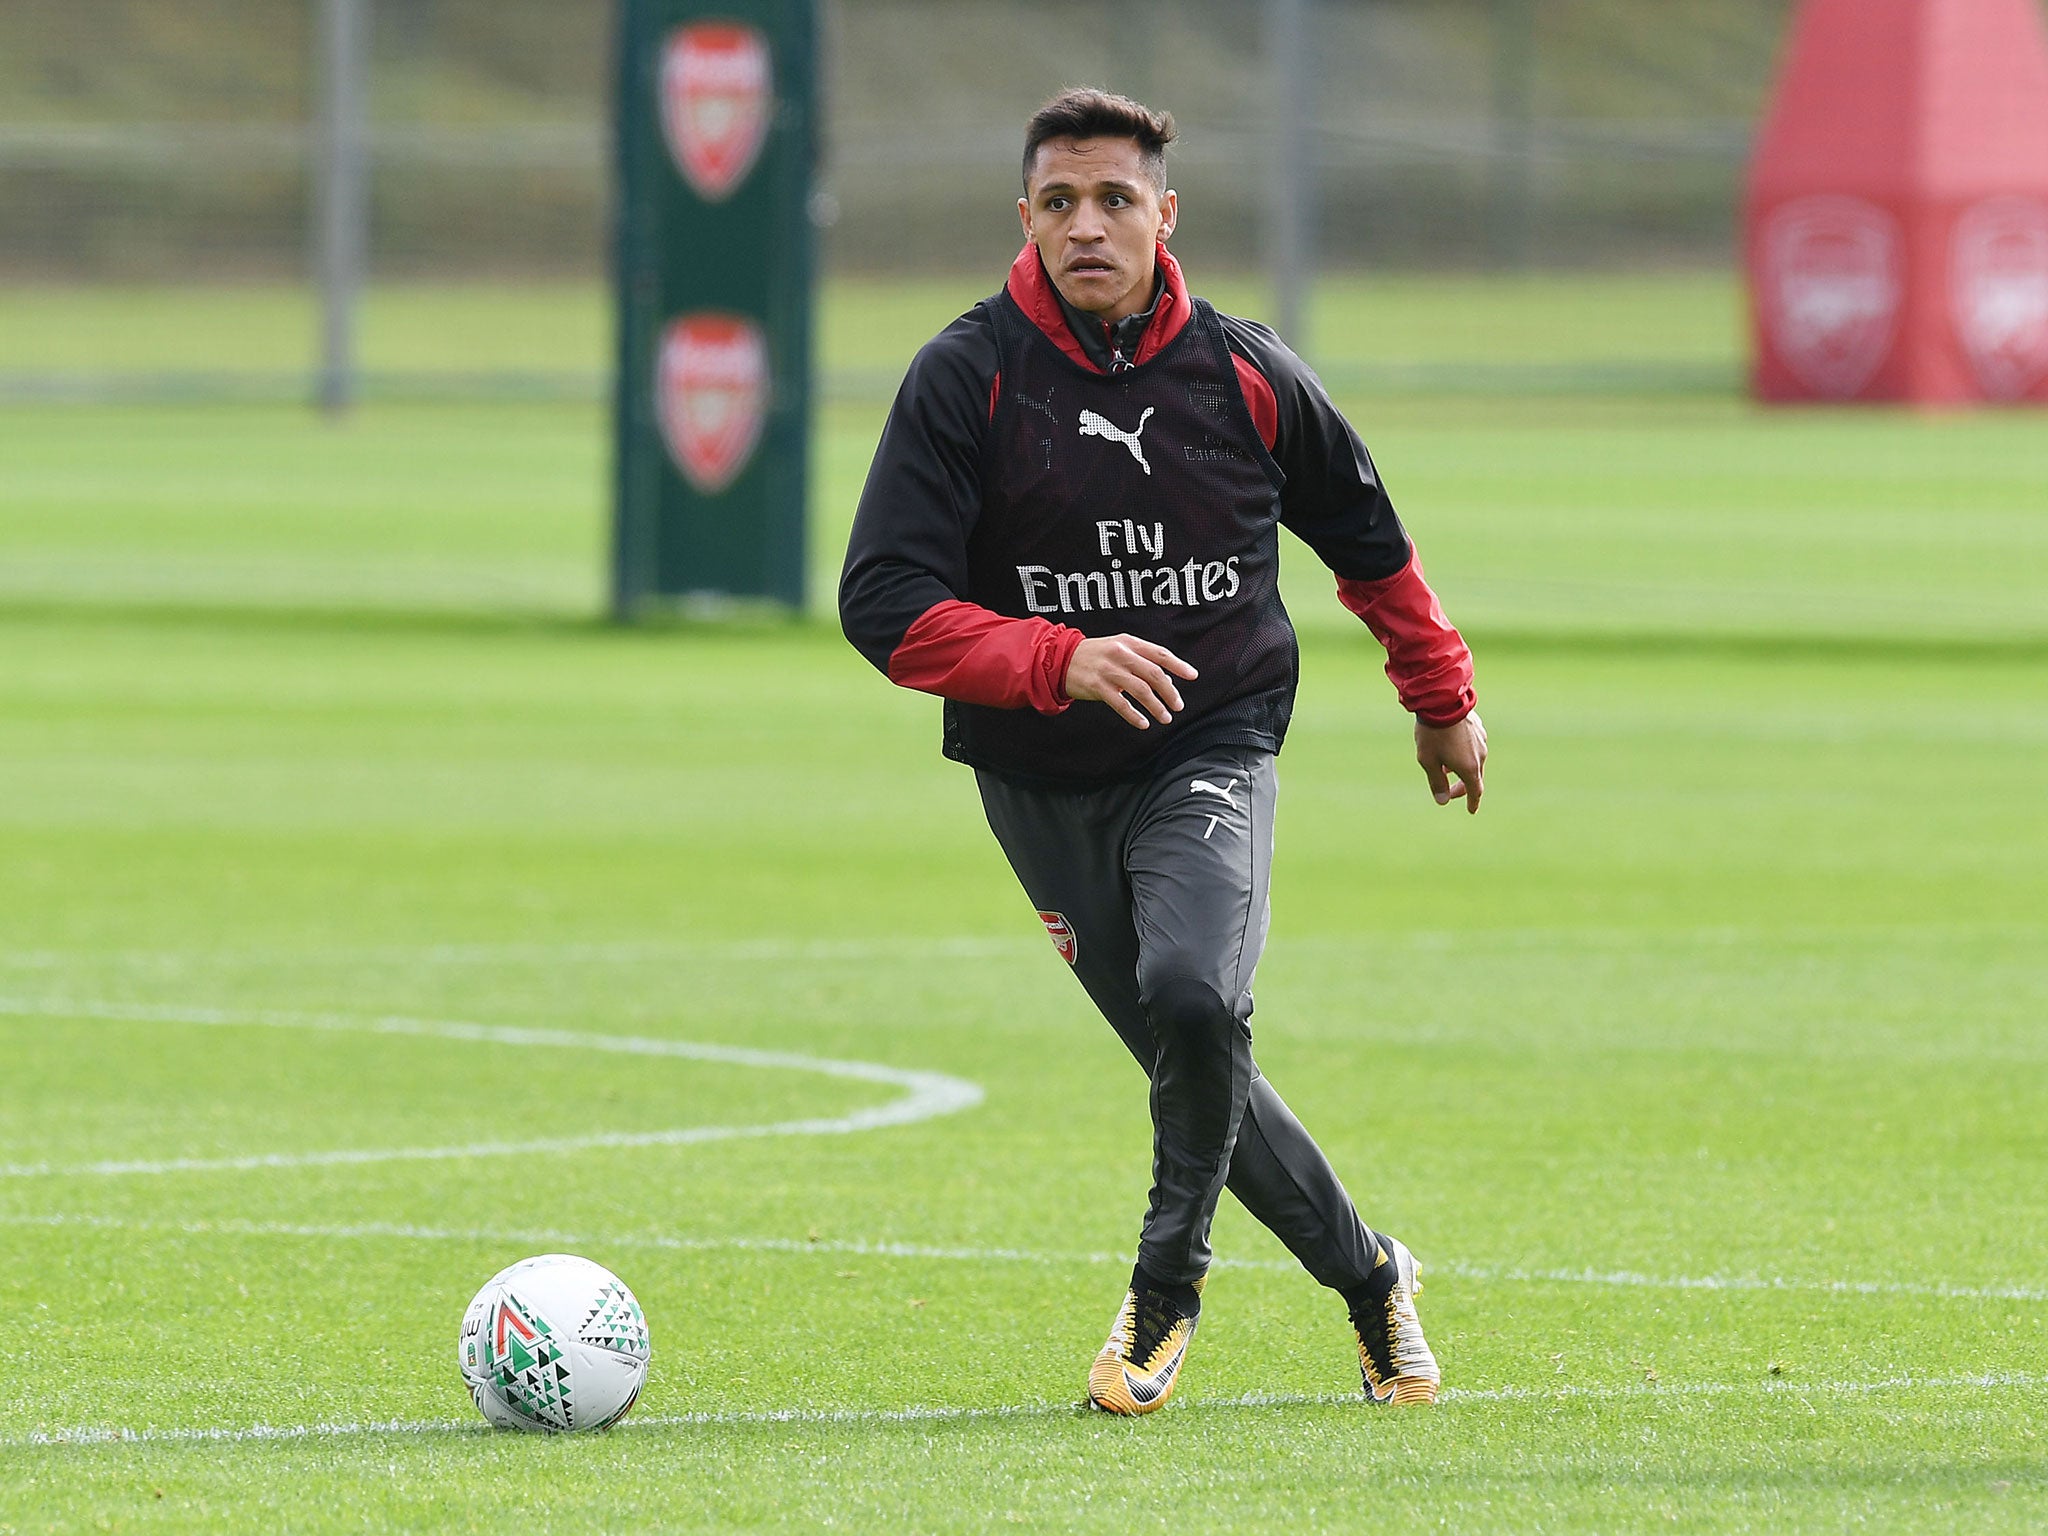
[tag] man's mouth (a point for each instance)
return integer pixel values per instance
(1090, 266)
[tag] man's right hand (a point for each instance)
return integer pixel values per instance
(1133, 677)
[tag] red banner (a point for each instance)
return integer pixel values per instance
(1897, 211)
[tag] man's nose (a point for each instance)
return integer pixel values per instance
(1087, 223)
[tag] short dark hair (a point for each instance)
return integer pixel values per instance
(1083, 112)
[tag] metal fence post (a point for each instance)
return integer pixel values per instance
(341, 194)
(1510, 202)
(1133, 38)
(1291, 251)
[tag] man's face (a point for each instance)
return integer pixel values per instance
(1095, 217)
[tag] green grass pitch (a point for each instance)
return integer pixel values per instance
(1704, 1069)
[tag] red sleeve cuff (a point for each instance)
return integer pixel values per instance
(965, 652)
(1428, 660)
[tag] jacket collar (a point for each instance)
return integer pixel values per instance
(1032, 289)
(1105, 343)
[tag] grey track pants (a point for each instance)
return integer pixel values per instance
(1157, 892)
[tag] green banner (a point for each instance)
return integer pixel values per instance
(716, 137)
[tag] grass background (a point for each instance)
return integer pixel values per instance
(1703, 1069)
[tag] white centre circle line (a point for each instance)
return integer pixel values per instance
(926, 1096)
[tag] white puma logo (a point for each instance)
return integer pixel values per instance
(1204, 787)
(1094, 425)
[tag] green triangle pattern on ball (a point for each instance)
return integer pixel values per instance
(526, 1365)
(616, 1323)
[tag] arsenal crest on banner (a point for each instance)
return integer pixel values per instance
(1833, 282)
(716, 93)
(711, 396)
(1998, 292)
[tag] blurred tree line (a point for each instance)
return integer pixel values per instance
(146, 140)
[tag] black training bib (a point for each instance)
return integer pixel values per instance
(1140, 503)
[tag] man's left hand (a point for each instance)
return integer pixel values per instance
(1444, 750)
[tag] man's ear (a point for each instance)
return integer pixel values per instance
(1024, 215)
(1169, 213)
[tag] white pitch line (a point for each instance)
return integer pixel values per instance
(1630, 1279)
(928, 1095)
(549, 1238)
(540, 1238)
(90, 1435)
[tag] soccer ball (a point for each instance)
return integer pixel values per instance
(555, 1344)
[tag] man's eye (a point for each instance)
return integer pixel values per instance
(1056, 205)
(1117, 200)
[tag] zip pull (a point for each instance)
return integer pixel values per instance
(1118, 363)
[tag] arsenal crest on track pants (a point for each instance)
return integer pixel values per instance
(1155, 891)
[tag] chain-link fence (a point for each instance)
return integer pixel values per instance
(145, 145)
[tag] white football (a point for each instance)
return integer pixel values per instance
(555, 1344)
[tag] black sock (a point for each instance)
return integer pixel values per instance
(1373, 1290)
(1183, 1295)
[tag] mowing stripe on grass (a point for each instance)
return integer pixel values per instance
(790, 948)
(539, 1238)
(928, 1094)
(951, 947)
(2004, 1381)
